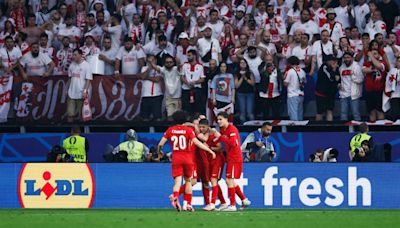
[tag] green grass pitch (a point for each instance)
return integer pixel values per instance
(164, 218)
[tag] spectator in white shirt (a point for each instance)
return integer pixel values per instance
(295, 12)
(89, 49)
(261, 14)
(294, 80)
(335, 28)
(392, 50)
(375, 25)
(182, 48)
(100, 18)
(253, 59)
(320, 49)
(108, 55)
(196, 30)
(73, 32)
(305, 24)
(343, 13)
(264, 43)
(216, 24)
(238, 18)
(350, 88)
(355, 41)
(56, 21)
(165, 25)
(172, 82)
(43, 15)
(192, 75)
(152, 27)
(114, 29)
(45, 48)
(160, 49)
(318, 13)
(36, 63)
(152, 95)
(392, 90)
(130, 58)
(93, 28)
(209, 47)
(80, 75)
(303, 52)
(9, 57)
(359, 13)
(275, 24)
(99, 6)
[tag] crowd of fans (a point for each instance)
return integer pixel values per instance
(193, 54)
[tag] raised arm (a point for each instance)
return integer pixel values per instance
(203, 147)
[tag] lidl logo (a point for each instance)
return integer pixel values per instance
(65, 185)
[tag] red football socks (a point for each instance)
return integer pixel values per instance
(176, 194)
(182, 189)
(239, 193)
(188, 198)
(206, 194)
(214, 194)
(220, 195)
(231, 194)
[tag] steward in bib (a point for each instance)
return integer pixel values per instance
(76, 146)
(137, 151)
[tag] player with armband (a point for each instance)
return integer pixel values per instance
(182, 138)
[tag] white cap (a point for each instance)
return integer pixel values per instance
(241, 8)
(205, 27)
(183, 35)
(11, 21)
(98, 1)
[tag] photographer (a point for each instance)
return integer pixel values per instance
(330, 155)
(258, 145)
(362, 153)
(59, 154)
(295, 80)
(136, 151)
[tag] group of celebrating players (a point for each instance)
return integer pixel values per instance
(198, 153)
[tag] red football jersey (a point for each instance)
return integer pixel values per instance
(181, 139)
(377, 82)
(231, 138)
(212, 142)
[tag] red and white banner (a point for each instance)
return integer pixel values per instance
(111, 98)
(5, 97)
(376, 123)
(277, 122)
(22, 102)
(86, 110)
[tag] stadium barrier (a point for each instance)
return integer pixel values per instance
(267, 185)
(290, 147)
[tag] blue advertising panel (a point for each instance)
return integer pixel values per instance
(146, 185)
(290, 147)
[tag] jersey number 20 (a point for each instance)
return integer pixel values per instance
(179, 142)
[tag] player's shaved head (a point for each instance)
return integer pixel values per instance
(203, 122)
(224, 115)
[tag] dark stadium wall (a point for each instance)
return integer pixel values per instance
(290, 147)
